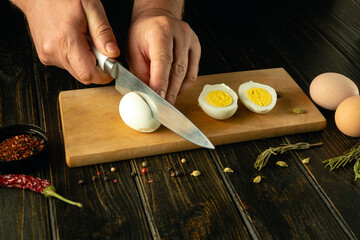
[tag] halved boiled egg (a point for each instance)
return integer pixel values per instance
(257, 97)
(218, 101)
(136, 113)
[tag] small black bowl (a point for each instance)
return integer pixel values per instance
(28, 164)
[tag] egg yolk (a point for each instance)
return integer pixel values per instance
(219, 98)
(259, 96)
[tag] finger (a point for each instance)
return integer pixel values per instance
(138, 64)
(178, 70)
(161, 57)
(193, 67)
(81, 62)
(100, 29)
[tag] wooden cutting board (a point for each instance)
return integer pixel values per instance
(93, 131)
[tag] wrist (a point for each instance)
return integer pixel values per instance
(168, 8)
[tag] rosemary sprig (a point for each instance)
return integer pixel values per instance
(347, 157)
(263, 158)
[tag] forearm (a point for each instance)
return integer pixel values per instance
(172, 7)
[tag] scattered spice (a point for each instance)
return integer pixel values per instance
(227, 169)
(112, 169)
(144, 171)
(196, 173)
(257, 179)
(98, 173)
(144, 164)
(169, 168)
(20, 147)
(150, 181)
(81, 181)
(351, 155)
(35, 184)
(133, 173)
(298, 110)
(183, 160)
(306, 160)
(173, 174)
(263, 158)
(282, 164)
(114, 181)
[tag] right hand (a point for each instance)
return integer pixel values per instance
(58, 30)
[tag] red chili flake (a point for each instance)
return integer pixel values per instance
(35, 184)
(20, 147)
(98, 173)
(144, 170)
(150, 181)
(114, 181)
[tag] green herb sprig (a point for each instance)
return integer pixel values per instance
(263, 158)
(352, 155)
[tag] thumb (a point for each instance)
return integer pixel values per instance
(100, 29)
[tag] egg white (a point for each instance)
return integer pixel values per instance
(220, 113)
(250, 104)
(136, 113)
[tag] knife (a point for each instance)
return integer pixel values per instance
(162, 110)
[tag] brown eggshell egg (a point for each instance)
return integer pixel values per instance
(347, 116)
(328, 90)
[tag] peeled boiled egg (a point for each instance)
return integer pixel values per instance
(218, 101)
(136, 113)
(257, 97)
(347, 116)
(329, 89)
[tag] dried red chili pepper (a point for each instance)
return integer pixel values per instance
(20, 146)
(35, 184)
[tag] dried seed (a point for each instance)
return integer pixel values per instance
(282, 164)
(257, 179)
(196, 173)
(298, 110)
(227, 169)
(169, 168)
(112, 169)
(81, 181)
(183, 160)
(306, 160)
(173, 174)
(144, 164)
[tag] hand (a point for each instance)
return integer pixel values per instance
(164, 52)
(59, 29)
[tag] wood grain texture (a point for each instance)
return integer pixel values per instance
(299, 202)
(23, 213)
(94, 133)
(185, 206)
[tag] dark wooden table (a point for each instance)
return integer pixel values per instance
(306, 38)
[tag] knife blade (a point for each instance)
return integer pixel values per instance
(162, 110)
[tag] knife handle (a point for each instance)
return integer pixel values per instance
(100, 58)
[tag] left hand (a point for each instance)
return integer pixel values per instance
(164, 52)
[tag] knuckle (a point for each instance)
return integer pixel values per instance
(84, 77)
(164, 57)
(191, 76)
(103, 30)
(179, 69)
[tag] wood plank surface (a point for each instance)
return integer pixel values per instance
(94, 132)
(298, 202)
